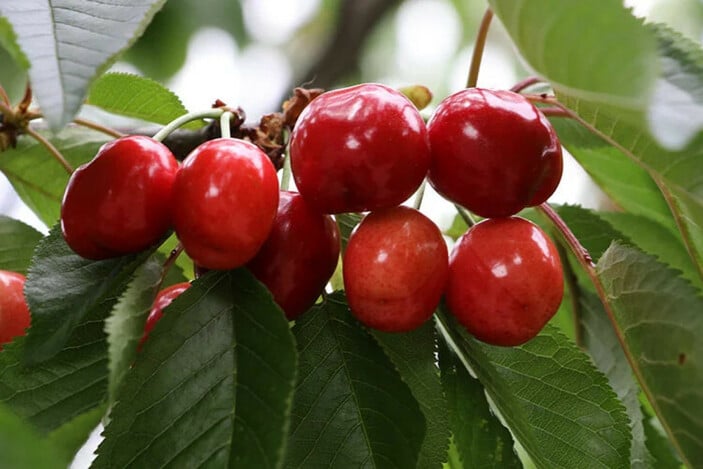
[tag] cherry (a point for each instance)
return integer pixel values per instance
(358, 149)
(493, 152)
(120, 202)
(505, 281)
(163, 299)
(226, 194)
(14, 312)
(299, 256)
(395, 269)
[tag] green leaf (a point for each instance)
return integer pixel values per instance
(351, 407)
(125, 326)
(593, 233)
(70, 43)
(8, 41)
(57, 391)
(413, 354)
(212, 386)
(71, 436)
(13, 77)
(659, 447)
(556, 404)
(602, 343)
(135, 96)
(63, 289)
(40, 180)
(347, 222)
(17, 243)
(481, 440)
(22, 448)
(658, 315)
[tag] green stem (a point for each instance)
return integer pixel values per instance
(465, 215)
(184, 119)
(478, 48)
(224, 124)
(287, 172)
(51, 148)
(419, 195)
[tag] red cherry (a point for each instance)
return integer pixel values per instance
(163, 299)
(358, 149)
(395, 269)
(120, 202)
(14, 313)
(505, 281)
(299, 256)
(493, 152)
(226, 194)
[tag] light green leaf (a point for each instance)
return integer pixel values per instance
(351, 407)
(17, 243)
(125, 326)
(659, 318)
(40, 180)
(71, 436)
(413, 354)
(63, 289)
(13, 77)
(556, 404)
(347, 222)
(22, 448)
(659, 447)
(481, 440)
(8, 41)
(212, 386)
(69, 43)
(138, 97)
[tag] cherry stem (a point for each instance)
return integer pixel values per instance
(286, 173)
(184, 119)
(52, 149)
(225, 118)
(465, 215)
(419, 195)
(98, 127)
(478, 48)
(581, 252)
(526, 83)
(172, 257)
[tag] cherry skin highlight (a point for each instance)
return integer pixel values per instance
(14, 312)
(395, 269)
(299, 256)
(358, 149)
(505, 281)
(120, 202)
(493, 152)
(226, 195)
(164, 298)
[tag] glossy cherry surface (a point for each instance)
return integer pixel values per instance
(395, 269)
(493, 152)
(226, 195)
(299, 256)
(120, 202)
(14, 312)
(358, 149)
(505, 281)
(164, 298)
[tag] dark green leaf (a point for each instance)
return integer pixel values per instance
(22, 448)
(351, 407)
(212, 386)
(17, 243)
(413, 354)
(481, 440)
(135, 96)
(594, 233)
(68, 44)
(659, 447)
(556, 404)
(658, 317)
(71, 436)
(39, 179)
(125, 326)
(63, 289)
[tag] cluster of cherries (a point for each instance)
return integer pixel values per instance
(359, 149)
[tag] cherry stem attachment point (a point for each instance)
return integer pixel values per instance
(98, 127)
(184, 119)
(49, 146)
(478, 48)
(225, 119)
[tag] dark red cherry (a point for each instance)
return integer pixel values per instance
(164, 298)
(14, 312)
(493, 152)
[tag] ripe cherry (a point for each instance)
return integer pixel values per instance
(395, 269)
(299, 256)
(505, 281)
(226, 194)
(120, 202)
(358, 149)
(493, 152)
(14, 312)
(163, 299)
